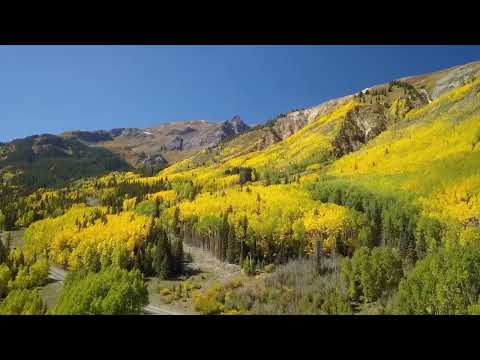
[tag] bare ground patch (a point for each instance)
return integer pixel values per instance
(201, 272)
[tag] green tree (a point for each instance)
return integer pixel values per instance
(350, 278)
(148, 208)
(369, 275)
(446, 281)
(8, 242)
(164, 270)
(243, 237)
(245, 175)
(176, 221)
(112, 291)
(91, 259)
(387, 269)
(158, 252)
(23, 302)
(30, 276)
(2, 221)
(161, 260)
(120, 257)
(362, 266)
(5, 276)
(178, 257)
(4, 251)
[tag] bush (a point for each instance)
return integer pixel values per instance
(211, 301)
(166, 291)
(269, 268)
(295, 288)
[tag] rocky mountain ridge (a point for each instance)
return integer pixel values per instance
(162, 144)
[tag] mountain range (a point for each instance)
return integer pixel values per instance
(155, 148)
(364, 204)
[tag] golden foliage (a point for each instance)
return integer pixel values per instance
(74, 241)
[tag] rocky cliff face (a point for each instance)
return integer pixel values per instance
(359, 127)
(235, 126)
(288, 124)
(437, 83)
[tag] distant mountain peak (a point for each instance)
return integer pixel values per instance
(235, 119)
(237, 125)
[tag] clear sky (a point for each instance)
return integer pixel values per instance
(50, 89)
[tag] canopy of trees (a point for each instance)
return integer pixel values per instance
(112, 291)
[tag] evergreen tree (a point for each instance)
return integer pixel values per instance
(243, 237)
(176, 221)
(156, 213)
(8, 242)
(178, 260)
(158, 257)
(21, 260)
(3, 252)
(148, 259)
(3, 220)
(164, 270)
(137, 262)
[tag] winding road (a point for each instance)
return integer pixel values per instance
(58, 274)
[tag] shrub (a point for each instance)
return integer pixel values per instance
(211, 301)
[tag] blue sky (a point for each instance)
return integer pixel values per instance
(50, 89)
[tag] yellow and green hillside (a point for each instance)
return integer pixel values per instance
(387, 166)
(428, 152)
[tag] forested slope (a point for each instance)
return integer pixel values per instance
(365, 197)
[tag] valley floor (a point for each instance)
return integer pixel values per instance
(201, 272)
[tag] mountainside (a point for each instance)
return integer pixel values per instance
(326, 132)
(369, 203)
(163, 144)
(48, 160)
(415, 140)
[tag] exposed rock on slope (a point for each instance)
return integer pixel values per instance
(168, 143)
(380, 107)
(359, 127)
(437, 83)
(235, 126)
(162, 144)
(288, 124)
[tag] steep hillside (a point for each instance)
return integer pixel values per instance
(333, 129)
(355, 202)
(410, 137)
(432, 154)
